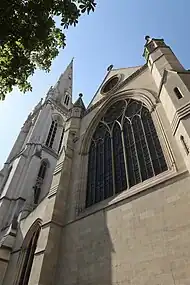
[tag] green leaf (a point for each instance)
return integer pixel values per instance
(30, 39)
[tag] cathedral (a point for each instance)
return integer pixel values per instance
(100, 194)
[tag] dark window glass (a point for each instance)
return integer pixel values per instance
(100, 182)
(108, 178)
(118, 157)
(114, 113)
(28, 260)
(131, 150)
(52, 133)
(66, 101)
(178, 93)
(42, 170)
(184, 144)
(39, 181)
(110, 84)
(61, 140)
(157, 157)
(142, 149)
(125, 150)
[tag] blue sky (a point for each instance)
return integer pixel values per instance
(114, 34)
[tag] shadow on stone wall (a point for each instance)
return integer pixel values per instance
(86, 256)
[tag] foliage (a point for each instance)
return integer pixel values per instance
(30, 37)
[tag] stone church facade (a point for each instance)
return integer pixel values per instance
(101, 195)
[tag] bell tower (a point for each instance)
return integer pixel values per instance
(27, 173)
(173, 82)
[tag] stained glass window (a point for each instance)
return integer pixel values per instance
(125, 150)
(118, 160)
(108, 179)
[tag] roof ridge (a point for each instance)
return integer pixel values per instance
(127, 67)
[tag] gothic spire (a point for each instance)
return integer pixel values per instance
(62, 91)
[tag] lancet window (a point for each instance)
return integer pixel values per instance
(52, 133)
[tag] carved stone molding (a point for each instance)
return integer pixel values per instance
(181, 113)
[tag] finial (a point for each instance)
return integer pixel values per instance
(148, 39)
(110, 67)
(80, 95)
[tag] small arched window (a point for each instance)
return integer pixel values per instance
(52, 133)
(66, 101)
(39, 181)
(184, 144)
(125, 150)
(178, 93)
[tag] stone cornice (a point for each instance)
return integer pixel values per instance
(58, 167)
(53, 191)
(4, 260)
(183, 72)
(50, 151)
(23, 151)
(12, 199)
(181, 113)
(130, 194)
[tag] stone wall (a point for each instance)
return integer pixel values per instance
(141, 240)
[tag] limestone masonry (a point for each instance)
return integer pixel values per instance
(100, 195)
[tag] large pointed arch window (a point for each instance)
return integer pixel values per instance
(52, 133)
(125, 150)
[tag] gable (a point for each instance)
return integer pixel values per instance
(123, 74)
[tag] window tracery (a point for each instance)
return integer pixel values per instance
(125, 150)
(110, 84)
